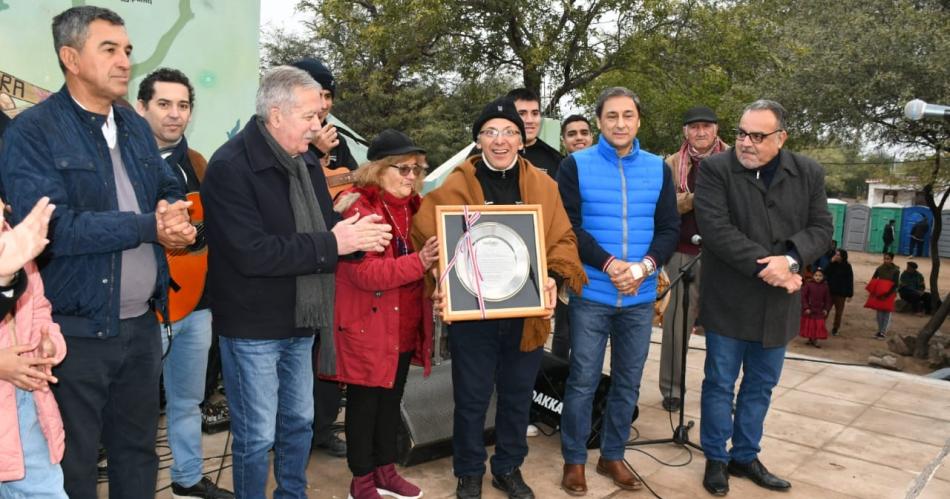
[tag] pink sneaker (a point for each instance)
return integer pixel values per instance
(363, 487)
(389, 483)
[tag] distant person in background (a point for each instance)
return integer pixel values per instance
(816, 302)
(576, 133)
(917, 235)
(535, 150)
(889, 236)
(882, 291)
(912, 289)
(840, 280)
(825, 260)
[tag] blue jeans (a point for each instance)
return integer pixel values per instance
(761, 369)
(184, 378)
(269, 384)
(629, 331)
(42, 479)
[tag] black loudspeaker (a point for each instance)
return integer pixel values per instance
(425, 432)
(548, 397)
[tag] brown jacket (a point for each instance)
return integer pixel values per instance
(462, 188)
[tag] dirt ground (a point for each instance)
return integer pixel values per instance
(855, 340)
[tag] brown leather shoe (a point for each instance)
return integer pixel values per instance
(574, 482)
(620, 473)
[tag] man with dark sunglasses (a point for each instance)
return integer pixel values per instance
(764, 212)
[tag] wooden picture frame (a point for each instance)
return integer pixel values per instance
(510, 259)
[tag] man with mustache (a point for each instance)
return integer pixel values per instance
(117, 205)
(273, 246)
(764, 212)
(701, 140)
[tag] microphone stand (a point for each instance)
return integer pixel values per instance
(681, 433)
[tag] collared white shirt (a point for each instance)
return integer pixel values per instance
(109, 130)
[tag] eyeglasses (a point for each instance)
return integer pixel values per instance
(492, 133)
(405, 169)
(755, 137)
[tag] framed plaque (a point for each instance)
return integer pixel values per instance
(491, 261)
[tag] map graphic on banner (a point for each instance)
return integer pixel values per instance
(214, 42)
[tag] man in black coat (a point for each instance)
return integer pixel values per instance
(273, 245)
(889, 237)
(764, 212)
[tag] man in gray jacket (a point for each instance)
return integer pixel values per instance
(765, 212)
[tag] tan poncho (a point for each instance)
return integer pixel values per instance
(536, 187)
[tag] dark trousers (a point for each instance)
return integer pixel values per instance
(838, 302)
(887, 246)
(561, 339)
(108, 390)
(213, 373)
(919, 300)
(486, 358)
(916, 247)
(326, 401)
(372, 419)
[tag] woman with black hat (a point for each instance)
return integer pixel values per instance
(380, 321)
(500, 355)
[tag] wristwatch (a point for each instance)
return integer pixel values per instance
(793, 266)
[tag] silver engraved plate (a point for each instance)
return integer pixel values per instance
(503, 262)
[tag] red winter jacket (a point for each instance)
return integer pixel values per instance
(366, 310)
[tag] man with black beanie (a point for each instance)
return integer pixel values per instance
(328, 145)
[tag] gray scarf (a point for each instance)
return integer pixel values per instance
(315, 292)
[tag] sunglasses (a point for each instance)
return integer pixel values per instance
(405, 169)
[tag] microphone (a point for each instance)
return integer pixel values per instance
(697, 240)
(917, 110)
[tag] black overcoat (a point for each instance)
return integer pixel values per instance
(741, 221)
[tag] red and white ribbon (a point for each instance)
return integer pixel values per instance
(467, 252)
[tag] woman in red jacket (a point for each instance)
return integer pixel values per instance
(381, 323)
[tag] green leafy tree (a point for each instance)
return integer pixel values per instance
(848, 67)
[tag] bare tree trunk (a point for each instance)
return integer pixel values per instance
(925, 333)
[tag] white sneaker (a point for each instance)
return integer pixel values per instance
(532, 430)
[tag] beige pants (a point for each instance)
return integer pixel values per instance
(671, 353)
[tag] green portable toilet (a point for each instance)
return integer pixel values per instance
(837, 208)
(880, 216)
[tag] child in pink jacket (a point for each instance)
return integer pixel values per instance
(31, 429)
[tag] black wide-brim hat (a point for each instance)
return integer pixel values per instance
(391, 142)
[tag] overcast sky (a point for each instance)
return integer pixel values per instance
(280, 13)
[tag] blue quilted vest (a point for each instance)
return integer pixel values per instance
(618, 198)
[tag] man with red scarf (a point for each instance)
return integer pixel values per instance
(701, 132)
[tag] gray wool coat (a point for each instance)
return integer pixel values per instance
(741, 221)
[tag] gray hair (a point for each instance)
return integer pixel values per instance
(277, 88)
(612, 92)
(71, 26)
(769, 105)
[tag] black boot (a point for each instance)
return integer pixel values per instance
(716, 479)
(756, 472)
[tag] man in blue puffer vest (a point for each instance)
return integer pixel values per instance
(622, 204)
